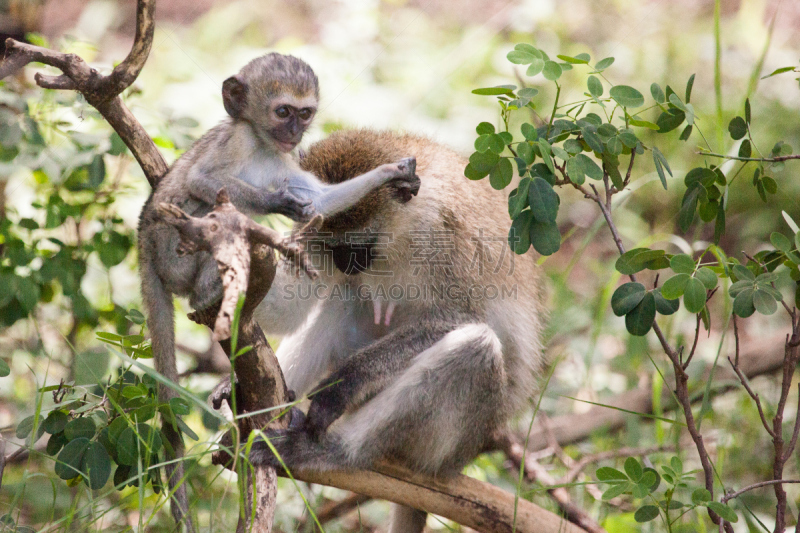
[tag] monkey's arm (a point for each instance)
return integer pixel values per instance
(330, 199)
(205, 182)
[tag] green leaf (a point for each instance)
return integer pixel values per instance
(745, 150)
(670, 120)
(544, 149)
(616, 490)
(644, 124)
(739, 286)
(700, 495)
(590, 168)
(519, 235)
(536, 66)
(636, 260)
(627, 297)
(689, 85)
(529, 132)
(737, 128)
(604, 63)
(743, 303)
(682, 264)
(657, 93)
(96, 464)
(485, 128)
(592, 139)
(779, 71)
(694, 295)
(525, 151)
(675, 286)
(483, 163)
(80, 428)
(627, 96)
(4, 369)
(724, 511)
(743, 273)
(689, 207)
(552, 70)
(646, 513)
(55, 443)
(781, 242)
(582, 59)
(661, 161)
(575, 171)
(501, 175)
(606, 473)
(522, 57)
(518, 200)
(543, 200)
(68, 462)
(545, 237)
(634, 469)
(707, 276)
(55, 422)
(640, 320)
(764, 302)
(664, 306)
(595, 86)
(494, 91)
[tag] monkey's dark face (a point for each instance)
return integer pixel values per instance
(288, 117)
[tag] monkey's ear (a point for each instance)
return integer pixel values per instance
(234, 96)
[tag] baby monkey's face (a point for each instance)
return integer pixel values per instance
(288, 117)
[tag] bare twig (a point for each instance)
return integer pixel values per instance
(754, 396)
(731, 496)
(761, 159)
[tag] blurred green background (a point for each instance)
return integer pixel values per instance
(403, 65)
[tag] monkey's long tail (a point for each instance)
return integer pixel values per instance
(161, 322)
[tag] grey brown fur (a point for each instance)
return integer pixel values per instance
(428, 386)
(271, 102)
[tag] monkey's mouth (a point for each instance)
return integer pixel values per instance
(285, 146)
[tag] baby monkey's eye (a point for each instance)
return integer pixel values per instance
(282, 111)
(305, 113)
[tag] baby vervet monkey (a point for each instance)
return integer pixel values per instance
(425, 337)
(271, 103)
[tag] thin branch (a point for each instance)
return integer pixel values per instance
(738, 493)
(694, 344)
(793, 440)
(754, 396)
(126, 72)
(761, 159)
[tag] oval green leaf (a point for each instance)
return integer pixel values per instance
(96, 464)
(68, 462)
(627, 96)
(640, 320)
(627, 297)
(694, 295)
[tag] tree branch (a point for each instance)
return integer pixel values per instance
(100, 91)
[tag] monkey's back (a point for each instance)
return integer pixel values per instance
(450, 241)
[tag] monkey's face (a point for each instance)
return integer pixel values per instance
(288, 117)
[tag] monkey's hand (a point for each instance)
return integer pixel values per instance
(406, 183)
(285, 203)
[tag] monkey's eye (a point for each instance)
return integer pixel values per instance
(282, 111)
(305, 113)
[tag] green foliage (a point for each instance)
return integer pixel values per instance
(642, 484)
